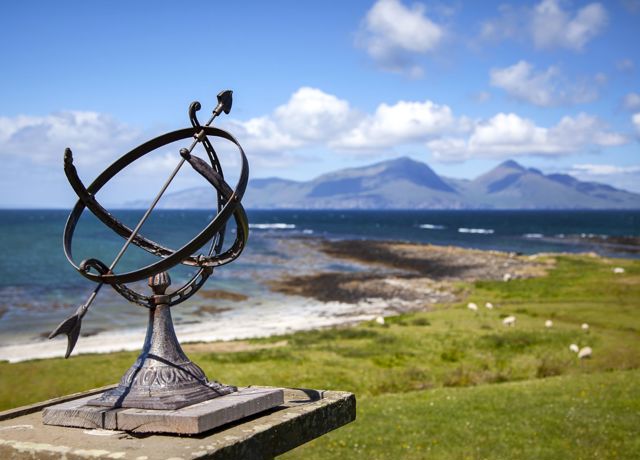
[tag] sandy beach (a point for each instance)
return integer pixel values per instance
(373, 278)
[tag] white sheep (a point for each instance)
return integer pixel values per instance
(574, 348)
(585, 327)
(584, 353)
(506, 277)
(509, 321)
(489, 305)
(472, 306)
(618, 270)
(548, 323)
(380, 320)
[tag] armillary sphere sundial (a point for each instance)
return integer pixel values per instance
(162, 377)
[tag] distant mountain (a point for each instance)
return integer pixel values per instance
(510, 185)
(404, 183)
(400, 183)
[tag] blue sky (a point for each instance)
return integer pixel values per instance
(553, 84)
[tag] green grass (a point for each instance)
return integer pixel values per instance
(578, 417)
(449, 383)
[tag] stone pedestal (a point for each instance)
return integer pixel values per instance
(193, 419)
(304, 415)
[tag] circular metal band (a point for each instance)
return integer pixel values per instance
(170, 257)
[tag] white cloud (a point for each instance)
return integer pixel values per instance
(601, 78)
(583, 131)
(262, 134)
(310, 123)
(631, 101)
(508, 25)
(589, 169)
(314, 115)
(401, 123)
(521, 82)
(315, 119)
(482, 97)
(93, 137)
(553, 27)
(635, 119)
(625, 65)
(543, 88)
(622, 177)
(508, 135)
(547, 24)
(162, 163)
(311, 116)
(393, 34)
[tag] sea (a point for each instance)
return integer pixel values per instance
(39, 288)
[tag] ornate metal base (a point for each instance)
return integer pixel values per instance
(162, 377)
(168, 388)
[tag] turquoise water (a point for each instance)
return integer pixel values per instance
(38, 287)
(31, 240)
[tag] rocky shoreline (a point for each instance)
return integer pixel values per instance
(420, 274)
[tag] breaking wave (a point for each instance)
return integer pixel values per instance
(482, 231)
(276, 226)
(433, 227)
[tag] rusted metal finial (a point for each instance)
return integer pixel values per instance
(159, 283)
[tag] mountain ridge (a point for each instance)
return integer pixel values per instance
(404, 183)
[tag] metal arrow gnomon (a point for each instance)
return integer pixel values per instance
(71, 326)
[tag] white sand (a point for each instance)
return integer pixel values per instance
(243, 322)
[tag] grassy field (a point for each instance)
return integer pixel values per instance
(450, 383)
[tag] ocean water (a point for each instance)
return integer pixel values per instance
(38, 287)
(520, 231)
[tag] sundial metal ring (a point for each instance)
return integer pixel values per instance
(162, 367)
